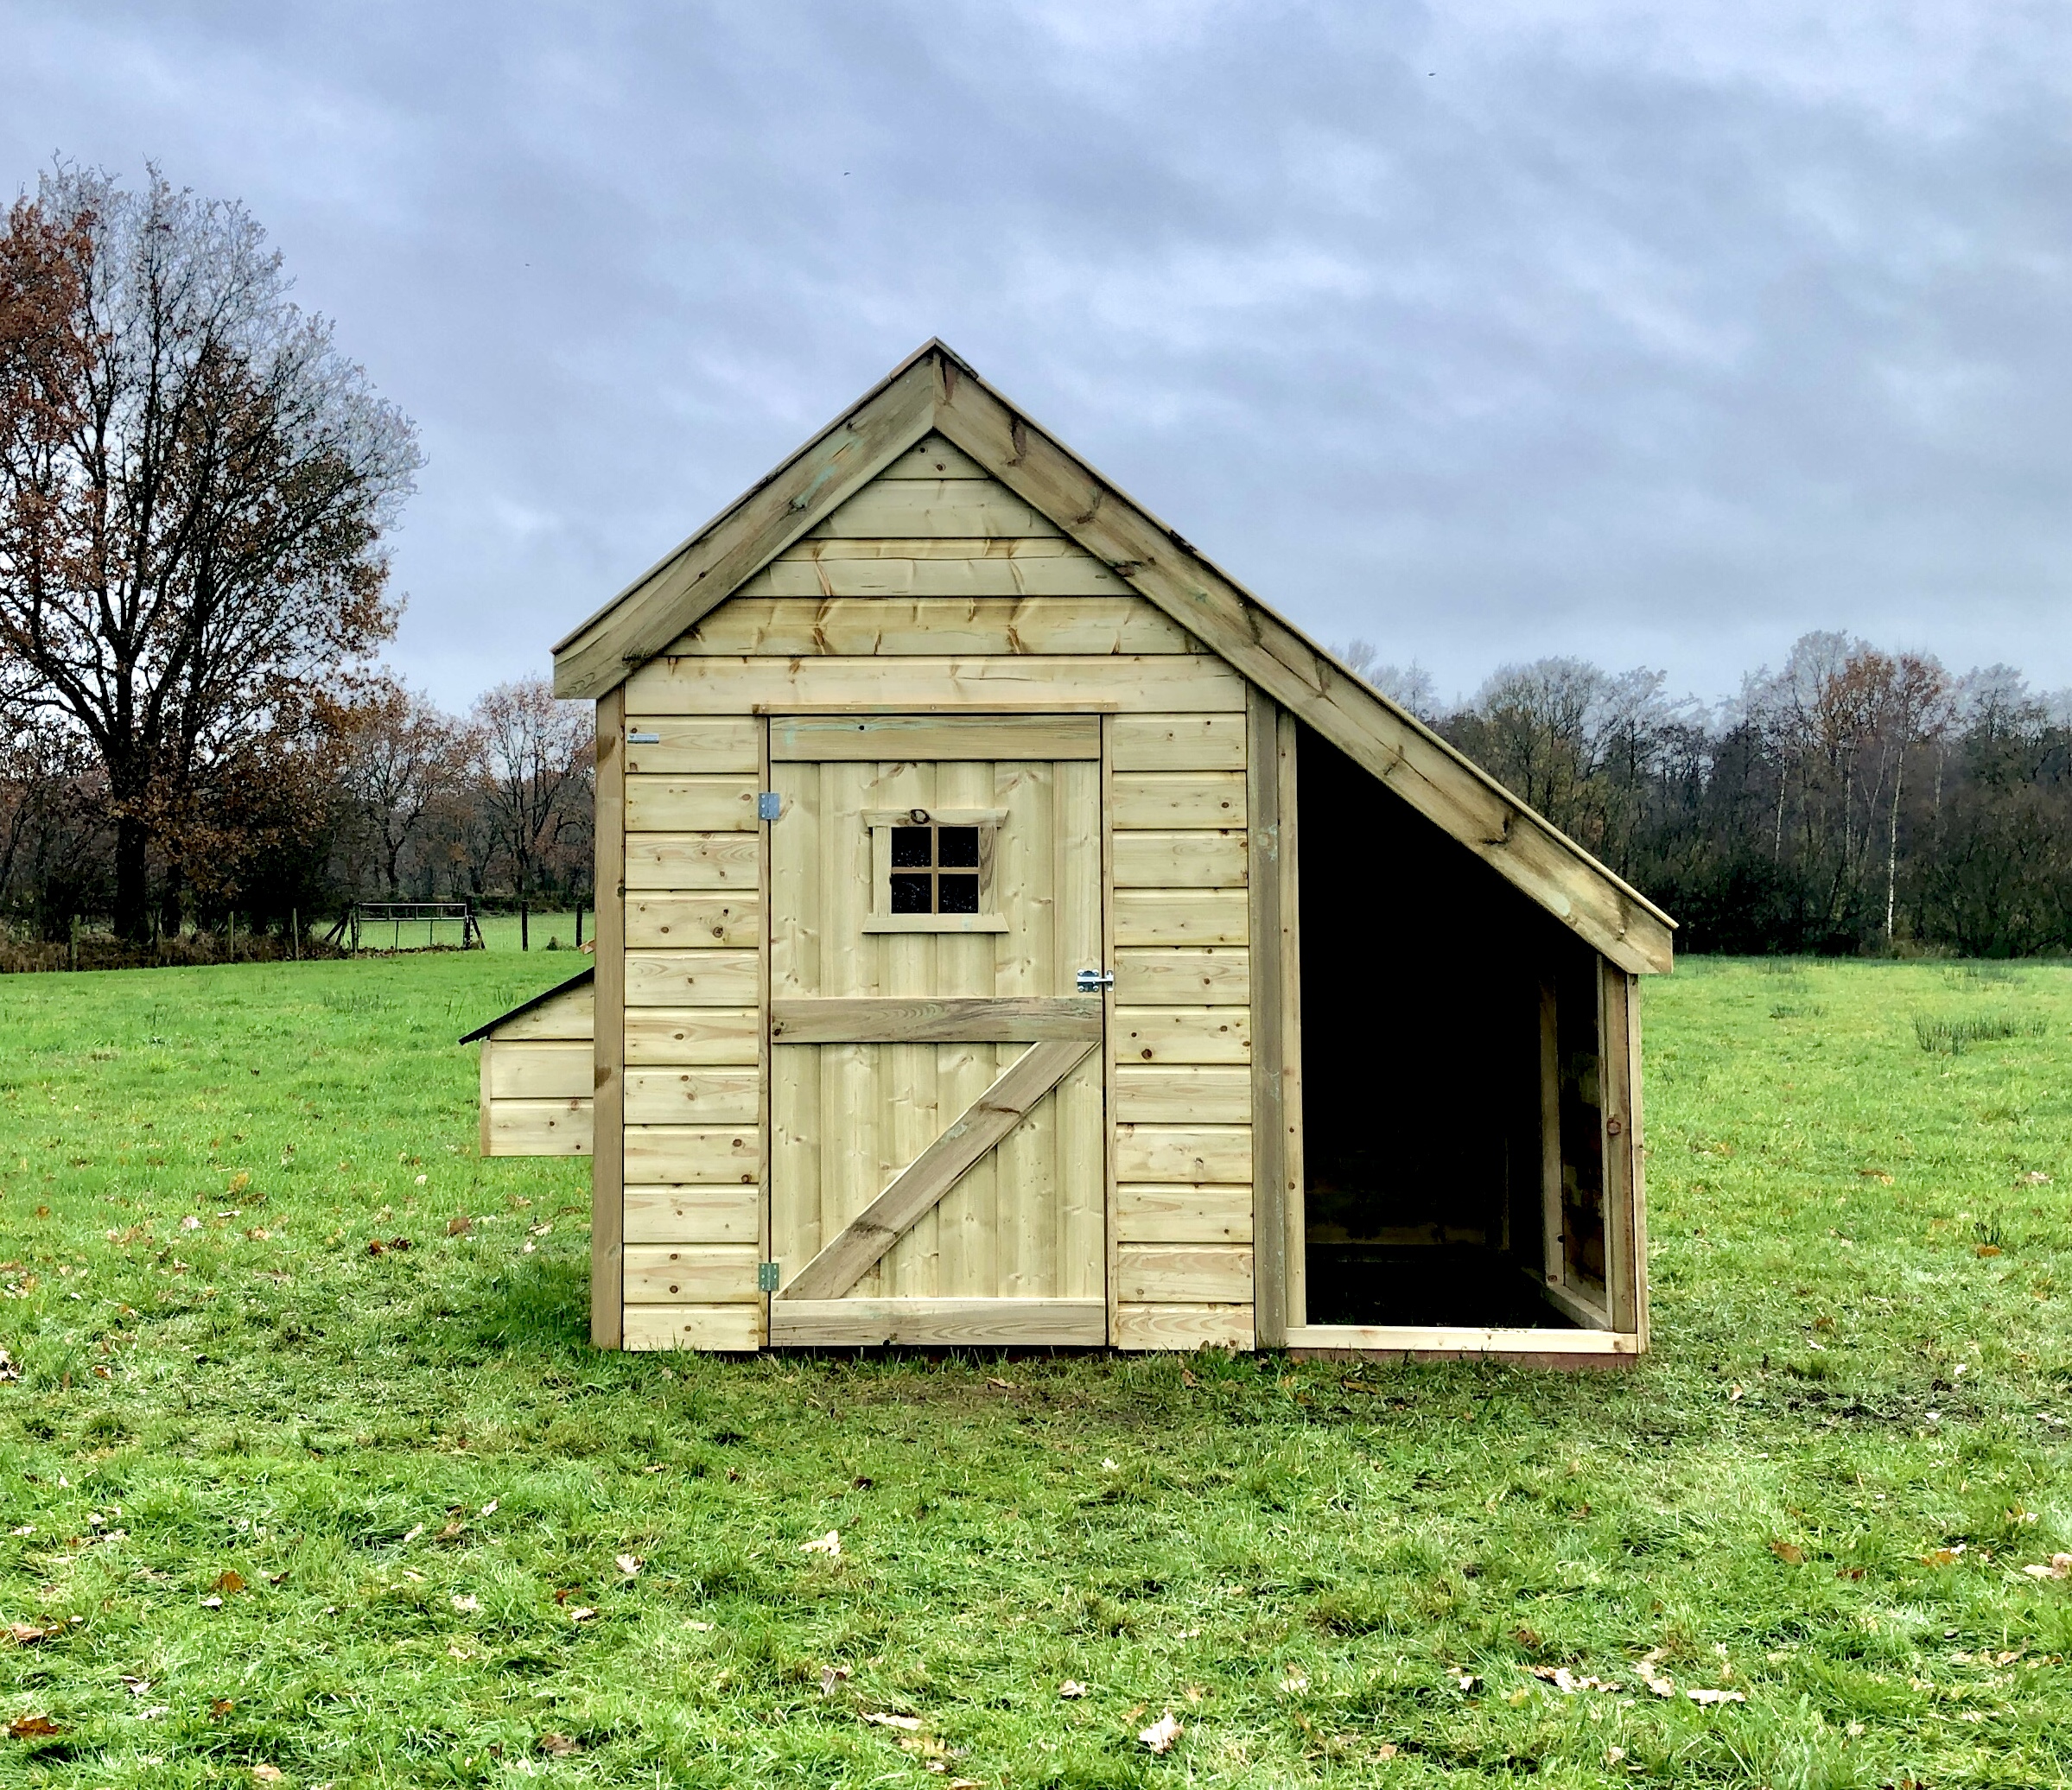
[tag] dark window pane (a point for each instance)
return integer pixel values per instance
(909, 849)
(910, 895)
(959, 894)
(958, 846)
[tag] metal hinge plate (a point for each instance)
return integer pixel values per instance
(643, 740)
(766, 1277)
(769, 806)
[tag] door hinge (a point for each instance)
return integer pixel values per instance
(766, 1277)
(769, 806)
(1092, 981)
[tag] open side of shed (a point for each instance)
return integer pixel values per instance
(1011, 931)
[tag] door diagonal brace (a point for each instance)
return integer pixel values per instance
(923, 1181)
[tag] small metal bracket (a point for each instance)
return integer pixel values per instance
(643, 740)
(766, 1277)
(1092, 981)
(769, 806)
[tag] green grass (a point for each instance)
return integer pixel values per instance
(1819, 1491)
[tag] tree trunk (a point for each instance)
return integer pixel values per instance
(132, 892)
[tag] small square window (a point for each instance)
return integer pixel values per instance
(934, 872)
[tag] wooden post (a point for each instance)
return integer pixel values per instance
(579, 922)
(294, 932)
(1624, 1272)
(1293, 1182)
(524, 925)
(1269, 1132)
(1555, 1260)
(72, 952)
(607, 1110)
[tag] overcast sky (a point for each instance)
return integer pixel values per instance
(1658, 334)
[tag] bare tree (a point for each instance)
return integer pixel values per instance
(535, 756)
(193, 488)
(1409, 687)
(403, 755)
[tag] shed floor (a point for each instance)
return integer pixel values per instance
(1428, 1284)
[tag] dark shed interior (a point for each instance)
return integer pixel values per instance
(1443, 1014)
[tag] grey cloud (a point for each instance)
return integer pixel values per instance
(1652, 334)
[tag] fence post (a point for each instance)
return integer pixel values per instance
(524, 927)
(294, 932)
(579, 925)
(73, 954)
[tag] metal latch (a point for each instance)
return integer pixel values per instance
(643, 740)
(1092, 981)
(769, 806)
(766, 1277)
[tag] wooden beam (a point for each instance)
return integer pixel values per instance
(1268, 971)
(918, 1187)
(1622, 1273)
(1437, 780)
(821, 739)
(836, 463)
(1295, 1228)
(976, 1323)
(1553, 1254)
(607, 1116)
(1417, 1338)
(892, 1019)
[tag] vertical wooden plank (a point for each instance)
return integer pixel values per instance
(913, 1111)
(794, 955)
(1295, 1227)
(1615, 1061)
(1081, 1153)
(1025, 1178)
(1111, 1225)
(965, 965)
(1554, 1254)
(766, 1148)
(482, 1105)
(850, 1111)
(1637, 1145)
(607, 1150)
(1269, 1133)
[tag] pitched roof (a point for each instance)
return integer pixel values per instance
(581, 978)
(935, 390)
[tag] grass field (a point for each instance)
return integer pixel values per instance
(281, 1505)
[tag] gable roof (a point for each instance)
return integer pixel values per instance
(935, 390)
(580, 979)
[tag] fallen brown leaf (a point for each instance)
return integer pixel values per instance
(559, 1745)
(906, 1724)
(267, 1774)
(1708, 1697)
(2059, 1566)
(829, 1543)
(221, 1707)
(1160, 1736)
(628, 1564)
(230, 1582)
(1789, 1552)
(581, 1613)
(32, 1728)
(459, 1225)
(1071, 1689)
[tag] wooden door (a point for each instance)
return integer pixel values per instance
(938, 1164)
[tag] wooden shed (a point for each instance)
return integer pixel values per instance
(1010, 930)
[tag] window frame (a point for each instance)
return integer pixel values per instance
(882, 821)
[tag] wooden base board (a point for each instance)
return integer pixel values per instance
(1563, 1350)
(867, 1323)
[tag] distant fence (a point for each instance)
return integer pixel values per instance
(364, 918)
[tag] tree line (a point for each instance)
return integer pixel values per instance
(196, 490)
(1853, 801)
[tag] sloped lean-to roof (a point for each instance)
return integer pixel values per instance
(581, 978)
(934, 389)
